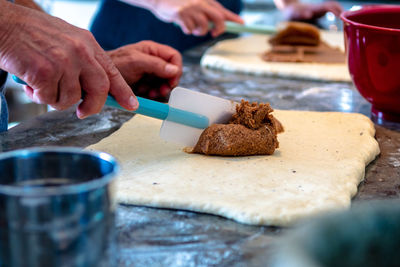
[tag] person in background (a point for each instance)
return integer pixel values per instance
(182, 24)
(60, 61)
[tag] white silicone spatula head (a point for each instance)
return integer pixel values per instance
(218, 110)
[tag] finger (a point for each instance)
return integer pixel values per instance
(43, 80)
(69, 91)
(28, 91)
(159, 67)
(46, 92)
(46, 95)
(95, 84)
(217, 17)
(201, 24)
(118, 87)
(165, 90)
(229, 15)
(186, 23)
(170, 55)
(176, 59)
(173, 57)
(153, 94)
(147, 91)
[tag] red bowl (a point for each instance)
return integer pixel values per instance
(372, 41)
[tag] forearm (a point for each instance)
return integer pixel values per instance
(281, 4)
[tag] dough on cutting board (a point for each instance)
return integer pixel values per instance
(243, 55)
(320, 162)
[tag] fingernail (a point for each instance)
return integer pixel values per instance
(171, 69)
(133, 103)
(80, 115)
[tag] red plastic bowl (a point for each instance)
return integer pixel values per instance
(372, 40)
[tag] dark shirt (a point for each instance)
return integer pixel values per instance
(3, 108)
(3, 79)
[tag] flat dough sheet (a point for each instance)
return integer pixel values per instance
(320, 162)
(243, 55)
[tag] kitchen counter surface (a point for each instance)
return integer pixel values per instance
(149, 236)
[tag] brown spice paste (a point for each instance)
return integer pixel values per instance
(301, 42)
(251, 131)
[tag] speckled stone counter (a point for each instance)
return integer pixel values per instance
(155, 237)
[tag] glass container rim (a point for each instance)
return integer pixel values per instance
(76, 188)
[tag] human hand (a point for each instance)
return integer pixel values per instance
(29, 3)
(193, 16)
(59, 61)
(152, 69)
(309, 11)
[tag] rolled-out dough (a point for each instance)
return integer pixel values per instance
(320, 162)
(243, 55)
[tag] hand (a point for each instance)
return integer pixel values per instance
(152, 69)
(307, 11)
(58, 61)
(29, 3)
(193, 16)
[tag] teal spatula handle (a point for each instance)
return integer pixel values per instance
(239, 28)
(163, 111)
(157, 110)
(233, 27)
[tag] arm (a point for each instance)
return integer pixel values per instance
(58, 61)
(193, 16)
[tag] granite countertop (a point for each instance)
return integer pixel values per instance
(149, 236)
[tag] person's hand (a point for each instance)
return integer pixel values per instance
(309, 11)
(152, 69)
(29, 3)
(194, 16)
(59, 62)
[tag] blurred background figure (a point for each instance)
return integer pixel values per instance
(183, 24)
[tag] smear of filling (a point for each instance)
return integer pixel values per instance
(252, 130)
(301, 42)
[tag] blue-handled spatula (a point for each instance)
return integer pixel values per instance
(185, 116)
